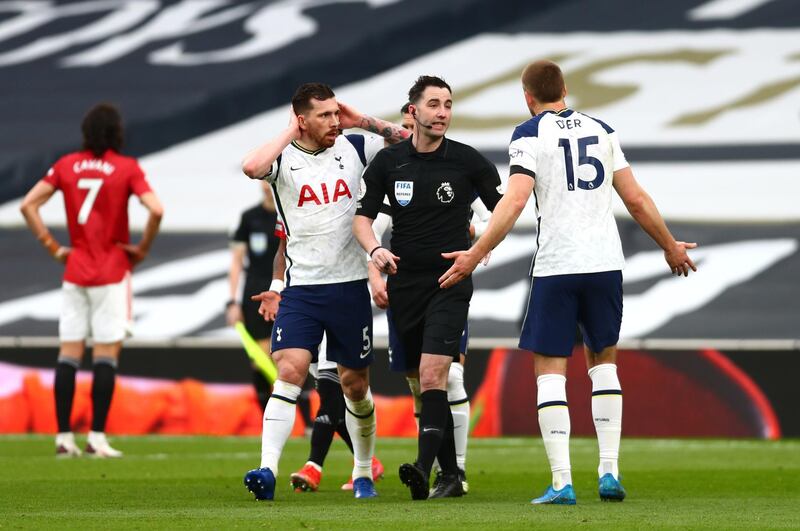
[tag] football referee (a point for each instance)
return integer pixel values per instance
(430, 182)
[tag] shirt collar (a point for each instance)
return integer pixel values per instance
(439, 153)
(563, 113)
(307, 151)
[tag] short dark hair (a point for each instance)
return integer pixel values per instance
(301, 101)
(423, 82)
(404, 108)
(544, 81)
(102, 129)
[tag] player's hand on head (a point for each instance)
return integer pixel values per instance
(464, 263)
(135, 253)
(294, 124)
(270, 301)
(385, 261)
(678, 258)
(348, 116)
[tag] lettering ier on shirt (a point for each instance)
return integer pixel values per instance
(316, 194)
(96, 192)
(573, 158)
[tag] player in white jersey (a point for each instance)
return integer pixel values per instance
(315, 174)
(570, 162)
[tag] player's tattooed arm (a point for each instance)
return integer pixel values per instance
(349, 117)
(393, 133)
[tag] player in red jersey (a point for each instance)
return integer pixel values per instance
(96, 183)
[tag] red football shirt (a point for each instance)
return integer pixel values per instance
(96, 193)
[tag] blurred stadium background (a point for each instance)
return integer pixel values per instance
(705, 94)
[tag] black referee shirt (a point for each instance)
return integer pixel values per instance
(430, 196)
(257, 230)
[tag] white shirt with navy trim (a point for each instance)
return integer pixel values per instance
(316, 194)
(572, 158)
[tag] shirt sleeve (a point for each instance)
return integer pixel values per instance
(280, 228)
(274, 170)
(372, 145)
(486, 181)
(620, 162)
(53, 176)
(369, 203)
(240, 234)
(382, 223)
(139, 184)
(522, 155)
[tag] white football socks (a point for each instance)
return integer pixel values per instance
(278, 423)
(361, 424)
(555, 426)
(607, 415)
(460, 409)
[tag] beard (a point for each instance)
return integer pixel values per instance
(324, 141)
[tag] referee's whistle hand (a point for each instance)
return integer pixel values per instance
(463, 265)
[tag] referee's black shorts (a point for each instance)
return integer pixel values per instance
(427, 318)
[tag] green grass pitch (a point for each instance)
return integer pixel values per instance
(196, 482)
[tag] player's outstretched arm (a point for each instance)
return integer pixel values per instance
(140, 251)
(644, 211)
(502, 220)
(33, 201)
(349, 117)
(257, 162)
(383, 259)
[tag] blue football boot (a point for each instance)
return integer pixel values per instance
(364, 488)
(565, 496)
(610, 489)
(261, 482)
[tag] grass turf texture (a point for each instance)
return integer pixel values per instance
(196, 482)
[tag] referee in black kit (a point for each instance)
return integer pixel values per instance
(430, 181)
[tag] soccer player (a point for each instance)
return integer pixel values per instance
(571, 161)
(96, 183)
(430, 181)
(315, 173)
(254, 246)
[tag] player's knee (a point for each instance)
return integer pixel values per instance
(357, 390)
(354, 385)
(289, 373)
(292, 365)
(433, 378)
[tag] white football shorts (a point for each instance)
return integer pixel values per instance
(322, 359)
(100, 312)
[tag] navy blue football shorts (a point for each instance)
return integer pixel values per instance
(559, 303)
(341, 310)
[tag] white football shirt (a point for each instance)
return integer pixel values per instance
(572, 158)
(316, 194)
